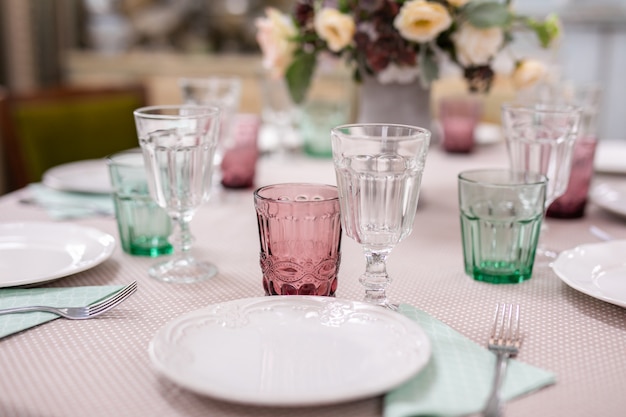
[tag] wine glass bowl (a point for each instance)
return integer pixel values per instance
(178, 145)
(540, 138)
(379, 170)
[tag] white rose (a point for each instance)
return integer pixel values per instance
(274, 34)
(336, 28)
(527, 73)
(396, 74)
(422, 21)
(476, 46)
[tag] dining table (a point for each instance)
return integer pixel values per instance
(101, 366)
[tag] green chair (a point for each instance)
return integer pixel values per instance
(46, 128)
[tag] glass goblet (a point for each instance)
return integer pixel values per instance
(223, 92)
(540, 138)
(379, 171)
(178, 144)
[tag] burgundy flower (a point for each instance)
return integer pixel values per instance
(371, 5)
(304, 13)
(479, 78)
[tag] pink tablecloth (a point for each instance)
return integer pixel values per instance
(101, 367)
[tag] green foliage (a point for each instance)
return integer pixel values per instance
(429, 69)
(546, 31)
(299, 75)
(486, 14)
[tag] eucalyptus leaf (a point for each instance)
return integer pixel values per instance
(487, 14)
(429, 69)
(299, 75)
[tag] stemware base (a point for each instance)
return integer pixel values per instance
(182, 271)
(544, 256)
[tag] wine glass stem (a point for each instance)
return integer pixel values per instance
(182, 238)
(375, 279)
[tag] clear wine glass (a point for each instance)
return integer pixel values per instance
(178, 144)
(540, 138)
(223, 92)
(379, 171)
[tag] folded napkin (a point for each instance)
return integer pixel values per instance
(69, 205)
(458, 378)
(55, 297)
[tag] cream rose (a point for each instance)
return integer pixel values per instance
(422, 21)
(476, 46)
(274, 34)
(336, 28)
(527, 73)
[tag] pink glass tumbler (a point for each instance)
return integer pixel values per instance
(459, 116)
(241, 153)
(572, 204)
(300, 236)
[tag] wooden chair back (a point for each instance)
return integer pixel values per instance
(53, 126)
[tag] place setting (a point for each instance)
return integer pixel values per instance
(60, 250)
(75, 190)
(300, 345)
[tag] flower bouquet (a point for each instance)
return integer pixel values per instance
(399, 41)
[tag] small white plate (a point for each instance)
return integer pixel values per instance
(89, 176)
(488, 133)
(611, 197)
(33, 252)
(595, 269)
(290, 350)
(610, 157)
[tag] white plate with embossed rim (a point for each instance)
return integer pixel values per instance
(610, 197)
(88, 176)
(595, 269)
(290, 350)
(610, 157)
(36, 252)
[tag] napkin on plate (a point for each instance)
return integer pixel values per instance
(68, 205)
(458, 378)
(55, 297)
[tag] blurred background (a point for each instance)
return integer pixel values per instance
(51, 42)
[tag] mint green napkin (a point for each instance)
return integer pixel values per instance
(55, 297)
(458, 378)
(62, 205)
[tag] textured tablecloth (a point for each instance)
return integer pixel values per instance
(101, 367)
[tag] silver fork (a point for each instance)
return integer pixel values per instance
(80, 313)
(504, 341)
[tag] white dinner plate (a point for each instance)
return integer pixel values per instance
(595, 269)
(290, 350)
(36, 252)
(611, 197)
(89, 176)
(610, 156)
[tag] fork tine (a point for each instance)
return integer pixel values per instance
(496, 321)
(516, 335)
(506, 328)
(499, 323)
(113, 300)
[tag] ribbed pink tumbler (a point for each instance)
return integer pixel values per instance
(300, 236)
